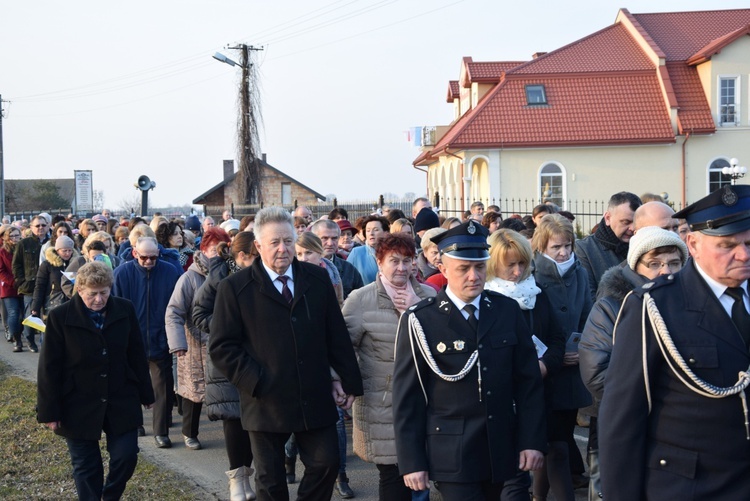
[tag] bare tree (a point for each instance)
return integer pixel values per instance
(130, 204)
(98, 200)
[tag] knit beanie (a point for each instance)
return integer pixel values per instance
(425, 220)
(650, 238)
(64, 242)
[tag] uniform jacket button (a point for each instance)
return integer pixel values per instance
(437, 428)
(663, 462)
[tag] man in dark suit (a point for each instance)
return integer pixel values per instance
(467, 391)
(673, 418)
(276, 333)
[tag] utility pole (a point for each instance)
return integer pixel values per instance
(2, 163)
(248, 137)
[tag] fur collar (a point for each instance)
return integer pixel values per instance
(55, 260)
(618, 281)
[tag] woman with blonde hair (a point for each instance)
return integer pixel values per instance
(509, 273)
(8, 292)
(403, 225)
(560, 275)
(310, 250)
(85, 228)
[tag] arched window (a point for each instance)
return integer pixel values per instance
(552, 184)
(716, 179)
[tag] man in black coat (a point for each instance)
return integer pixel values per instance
(468, 402)
(277, 333)
(673, 418)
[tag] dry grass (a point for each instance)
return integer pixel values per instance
(35, 462)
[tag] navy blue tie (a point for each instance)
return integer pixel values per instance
(740, 316)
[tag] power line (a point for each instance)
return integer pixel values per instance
(61, 94)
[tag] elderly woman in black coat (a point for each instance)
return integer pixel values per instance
(93, 377)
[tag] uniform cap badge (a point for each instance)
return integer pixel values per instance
(729, 197)
(471, 229)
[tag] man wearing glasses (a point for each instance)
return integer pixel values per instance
(25, 268)
(148, 283)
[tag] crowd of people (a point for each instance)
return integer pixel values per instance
(466, 348)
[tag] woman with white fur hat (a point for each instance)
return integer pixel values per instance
(653, 251)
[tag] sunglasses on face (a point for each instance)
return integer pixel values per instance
(148, 258)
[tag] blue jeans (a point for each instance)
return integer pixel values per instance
(28, 331)
(341, 431)
(88, 471)
(14, 308)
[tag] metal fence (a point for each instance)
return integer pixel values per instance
(587, 213)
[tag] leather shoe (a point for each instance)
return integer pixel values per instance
(141, 431)
(162, 441)
(192, 443)
(343, 489)
(17, 349)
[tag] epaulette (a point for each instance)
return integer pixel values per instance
(652, 285)
(425, 302)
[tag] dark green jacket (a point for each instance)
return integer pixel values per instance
(26, 264)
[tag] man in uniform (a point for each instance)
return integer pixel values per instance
(673, 419)
(467, 392)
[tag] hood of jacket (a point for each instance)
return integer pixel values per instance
(55, 260)
(618, 281)
(200, 263)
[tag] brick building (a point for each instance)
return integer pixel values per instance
(279, 189)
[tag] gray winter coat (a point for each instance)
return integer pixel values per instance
(571, 303)
(595, 347)
(372, 321)
(183, 335)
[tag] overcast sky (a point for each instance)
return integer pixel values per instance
(130, 88)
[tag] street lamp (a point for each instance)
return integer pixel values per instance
(734, 171)
(224, 59)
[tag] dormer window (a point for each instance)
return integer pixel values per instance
(535, 95)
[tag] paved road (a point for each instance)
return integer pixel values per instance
(205, 468)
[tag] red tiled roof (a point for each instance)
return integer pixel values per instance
(453, 91)
(694, 113)
(490, 71)
(484, 71)
(681, 34)
(621, 109)
(610, 49)
(715, 46)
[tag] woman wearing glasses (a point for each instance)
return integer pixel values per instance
(12, 300)
(653, 251)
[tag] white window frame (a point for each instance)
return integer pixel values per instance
(709, 170)
(737, 100)
(563, 176)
